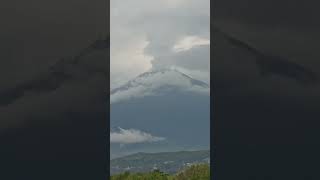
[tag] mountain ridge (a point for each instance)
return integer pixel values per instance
(158, 82)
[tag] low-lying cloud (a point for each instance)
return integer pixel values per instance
(133, 136)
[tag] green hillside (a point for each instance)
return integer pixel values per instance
(194, 172)
(167, 162)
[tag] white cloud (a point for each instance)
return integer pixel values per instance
(189, 42)
(132, 136)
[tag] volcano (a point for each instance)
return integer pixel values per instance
(165, 103)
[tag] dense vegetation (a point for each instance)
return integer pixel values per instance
(195, 172)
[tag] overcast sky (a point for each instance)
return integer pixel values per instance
(154, 34)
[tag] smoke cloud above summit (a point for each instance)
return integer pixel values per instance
(146, 35)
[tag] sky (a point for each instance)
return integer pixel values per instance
(147, 35)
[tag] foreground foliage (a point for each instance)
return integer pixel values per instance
(195, 172)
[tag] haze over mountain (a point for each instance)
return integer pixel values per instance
(160, 110)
